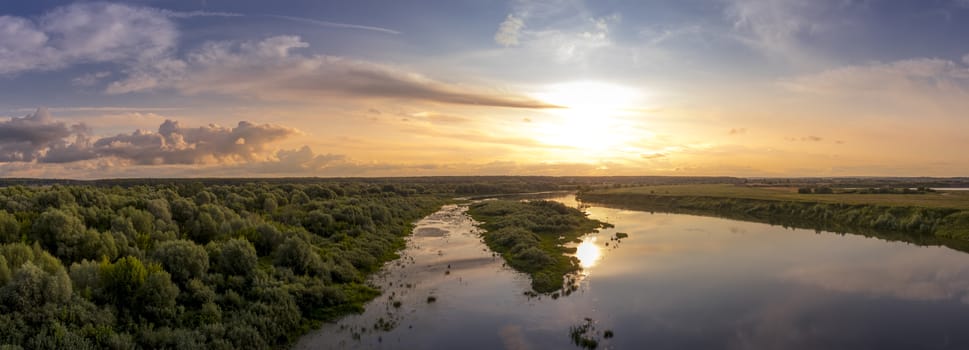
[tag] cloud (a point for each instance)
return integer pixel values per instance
(914, 75)
(90, 79)
(786, 29)
(913, 275)
(28, 138)
(805, 139)
(269, 69)
(509, 31)
(173, 144)
(84, 33)
(738, 131)
(935, 90)
(193, 14)
(38, 137)
(329, 24)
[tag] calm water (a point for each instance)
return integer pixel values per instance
(677, 282)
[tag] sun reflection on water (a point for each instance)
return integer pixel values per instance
(588, 252)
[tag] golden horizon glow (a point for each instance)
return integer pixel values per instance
(593, 119)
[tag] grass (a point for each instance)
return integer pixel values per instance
(530, 236)
(940, 199)
(923, 218)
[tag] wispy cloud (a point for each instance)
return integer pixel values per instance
(329, 24)
(269, 69)
(784, 29)
(100, 109)
(509, 31)
(192, 14)
(90, 79)
(911, 76)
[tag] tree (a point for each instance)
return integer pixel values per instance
(5, 273)
(58, 230)
(269, 204)
(31, 287)
(299, 256)
(155, 298)
(823, 190)
(318, 222)
(120, 280)
(235, 257)
(183, 259)
(9, 228)
(160, 209)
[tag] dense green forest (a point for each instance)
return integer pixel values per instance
(530, 237)
(188, 265)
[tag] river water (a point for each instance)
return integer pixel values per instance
(677, 282)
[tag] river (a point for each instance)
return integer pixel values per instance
(677, 282)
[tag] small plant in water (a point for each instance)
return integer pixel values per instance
(584, 335)
(431, 299)
(397, 303)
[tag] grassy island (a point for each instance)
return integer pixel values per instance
(922, 217)
(531, 237)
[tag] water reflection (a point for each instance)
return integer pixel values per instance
(588, 252)
(677, 282)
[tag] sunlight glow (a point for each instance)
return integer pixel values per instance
(588, 252)
(596, 118)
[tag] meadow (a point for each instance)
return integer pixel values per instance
(912, 216)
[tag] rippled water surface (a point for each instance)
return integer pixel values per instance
(676, 282)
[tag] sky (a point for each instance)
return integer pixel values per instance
(250, 88)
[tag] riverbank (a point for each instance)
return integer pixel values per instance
(923, 218)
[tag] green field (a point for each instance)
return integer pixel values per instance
(940, 199)
(922, 218)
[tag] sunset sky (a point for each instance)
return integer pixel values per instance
(165, 88)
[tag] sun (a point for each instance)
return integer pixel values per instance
(594, 118)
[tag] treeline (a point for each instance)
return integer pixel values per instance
(914, 224)
(530, 237)
(184, 265)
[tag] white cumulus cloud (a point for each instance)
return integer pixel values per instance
(84, 33)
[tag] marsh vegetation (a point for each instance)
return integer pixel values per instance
(531, 237)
